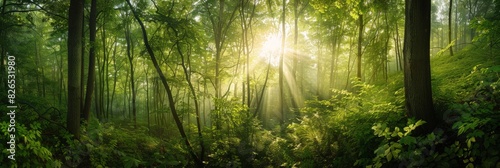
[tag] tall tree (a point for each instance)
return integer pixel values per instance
(130, 57)
(417, 74)
(361, 31)
(91, 69)
(220, 22)
(298, 10)
(220, 25)
(449, 27)
(75, 31)
(281, 66)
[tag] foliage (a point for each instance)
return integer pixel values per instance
(468, 136)
(28, 146)
(40, 141)
(230, 141)
(336, 132)
(104, 145)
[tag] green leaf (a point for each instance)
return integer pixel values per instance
(408, 140)
(469, 141)
(396, 152)
(431, 137)
(389, 156)
(419, 123)
(396, 145)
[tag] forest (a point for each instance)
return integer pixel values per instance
(250, 83)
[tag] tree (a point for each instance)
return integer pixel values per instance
(449, 27)
(75, 30)
(281, 66)
(361, 31)
(417, 74)
(91, 70)
(130, 57)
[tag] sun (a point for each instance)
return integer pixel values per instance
(271, 49)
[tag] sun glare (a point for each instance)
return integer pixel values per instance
(271, 49)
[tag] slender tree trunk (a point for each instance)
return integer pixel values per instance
(295, 37)
(218, 47)
(417, 74)
(96, 100)
(386, 47)
(399, 63)
(205, 92)
(106, 68)
(82, 66)
(91, 69)
(247, 56)
(98, 90)
(449, 27)
(319, 64)
(115, 73)
(75, 31)
(351, 43)
(294, 70)
(102, 83)
(281, 66)
(456, 26)
(333, 62)
(61, 80)
(360, 40)
(37, 64)
(147, 96)
(132, 79)
(261, 97)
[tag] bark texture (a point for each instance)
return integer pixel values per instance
(417, 74)
(75, 30)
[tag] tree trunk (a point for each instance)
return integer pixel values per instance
(91, 69)
(75, 31)
(319, 65)
(115, 73)
(281, 66)
(360, 40)
(293, 88)
(37, 64)
(261, 97)
(333, 62)
(449, 27)
(399, 64)
(132, 79)
(105, 54)
(349, 68)
(417, 75)
(147, 96)
(82, 66)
